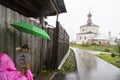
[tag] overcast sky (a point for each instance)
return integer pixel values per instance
(105, 13)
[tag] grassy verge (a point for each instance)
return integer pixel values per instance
(70, 64)
(108, 58)
(95, 47)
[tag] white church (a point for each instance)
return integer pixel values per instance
(89, 34)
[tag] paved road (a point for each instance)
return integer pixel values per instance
(90, 67)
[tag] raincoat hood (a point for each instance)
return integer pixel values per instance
(9, 72)
(6, 63)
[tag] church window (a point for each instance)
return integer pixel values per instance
(83, 29)
(84, 37)
(80, 38)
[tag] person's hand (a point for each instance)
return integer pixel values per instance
(22, 64)
(28, 66)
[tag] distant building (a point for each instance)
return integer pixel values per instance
(112, 39)
(89, 35)
(101, 39)
(72, 42)
(87, 32)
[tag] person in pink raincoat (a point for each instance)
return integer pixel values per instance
(9, 72)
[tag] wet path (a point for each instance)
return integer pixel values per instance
(90, 67)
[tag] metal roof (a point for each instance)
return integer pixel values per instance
(101, 36)
(112, 39)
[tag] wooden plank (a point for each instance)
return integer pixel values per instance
(9, 34)
(2, 28)
(43, 53)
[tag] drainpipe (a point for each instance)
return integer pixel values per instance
(54, 8)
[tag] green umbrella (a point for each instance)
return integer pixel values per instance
(31, 29)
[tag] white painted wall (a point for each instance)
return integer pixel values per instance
(84, 38)
(84, 33)
(89, 28)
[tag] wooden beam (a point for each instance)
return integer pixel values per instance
(19, 9)
(24, 5)
(31, 8)
(29, 5)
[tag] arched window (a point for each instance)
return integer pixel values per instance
(83, 29)
(80, 37)
(84, 37)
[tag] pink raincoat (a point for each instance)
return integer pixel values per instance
(9, 72)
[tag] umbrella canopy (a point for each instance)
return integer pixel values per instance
(31, 29)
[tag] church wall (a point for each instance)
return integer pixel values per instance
(92, 29)
(87, 32)
(101, 42)
(84, 38)
(88, 29)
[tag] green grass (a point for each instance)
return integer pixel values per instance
(95, 47)
(70, 64)
(108, 58)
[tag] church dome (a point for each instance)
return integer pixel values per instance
(89, 21)
(89, 15)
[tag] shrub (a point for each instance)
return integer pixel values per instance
(93, 44)
(85, 45)
(107, 50)
(113, 55)
(118, 48)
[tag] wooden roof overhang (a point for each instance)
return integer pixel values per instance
(35, 8)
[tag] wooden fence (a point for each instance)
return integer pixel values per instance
(46, 54)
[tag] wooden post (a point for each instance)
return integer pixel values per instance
(55, 47)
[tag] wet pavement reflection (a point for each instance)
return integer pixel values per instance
(72, 76)
(90, 67)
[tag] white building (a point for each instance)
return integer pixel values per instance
(101, 39)
(87, 32)
(112, 39)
